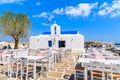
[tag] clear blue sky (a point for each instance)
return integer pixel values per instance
(95, 19)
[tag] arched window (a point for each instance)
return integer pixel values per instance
(55, 29)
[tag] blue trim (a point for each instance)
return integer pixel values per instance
(63, 32)
(46, 33)
(69, 32)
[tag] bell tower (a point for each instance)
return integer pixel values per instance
(55, 29)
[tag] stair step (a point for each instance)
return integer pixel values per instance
(69, 72)
(47, 78)
(55, 74)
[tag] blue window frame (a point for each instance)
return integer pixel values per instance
(49, 43)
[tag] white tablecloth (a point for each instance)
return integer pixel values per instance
(87, 60)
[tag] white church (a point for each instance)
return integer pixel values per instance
(57, 39)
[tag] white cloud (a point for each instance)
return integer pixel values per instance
(104, 5)
(10, 1)
(105, 11)
(43, 14)
(110, 9)
(58, 11)
(51, 17)
(45, 24)
(38, 3)
(82, 9)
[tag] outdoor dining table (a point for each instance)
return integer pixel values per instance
(87, 61)
(35, 59)
(107, 62)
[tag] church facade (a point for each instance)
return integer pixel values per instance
(57, 39)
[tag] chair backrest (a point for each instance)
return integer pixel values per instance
(99, 66)
(51, 59)
(14, 60)
(23, 61)
(115, 68)
(6, 59)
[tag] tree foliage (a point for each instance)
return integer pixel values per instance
(17, 25)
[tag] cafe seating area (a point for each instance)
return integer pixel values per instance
(44, 64)
(98, 65)
(24, 65)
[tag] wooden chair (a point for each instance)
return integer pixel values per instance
(44, 67)
(10, 66)
(97, 70)
(79, 72)
(26, 68)
(114, 73)
(6, 64)
(14, 67)
(1, 72)
(48, 63)
(51, 62)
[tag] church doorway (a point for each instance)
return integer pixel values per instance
(61, 44)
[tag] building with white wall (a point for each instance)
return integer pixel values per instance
(58, 39)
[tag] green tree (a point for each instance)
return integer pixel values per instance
(16, 25)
